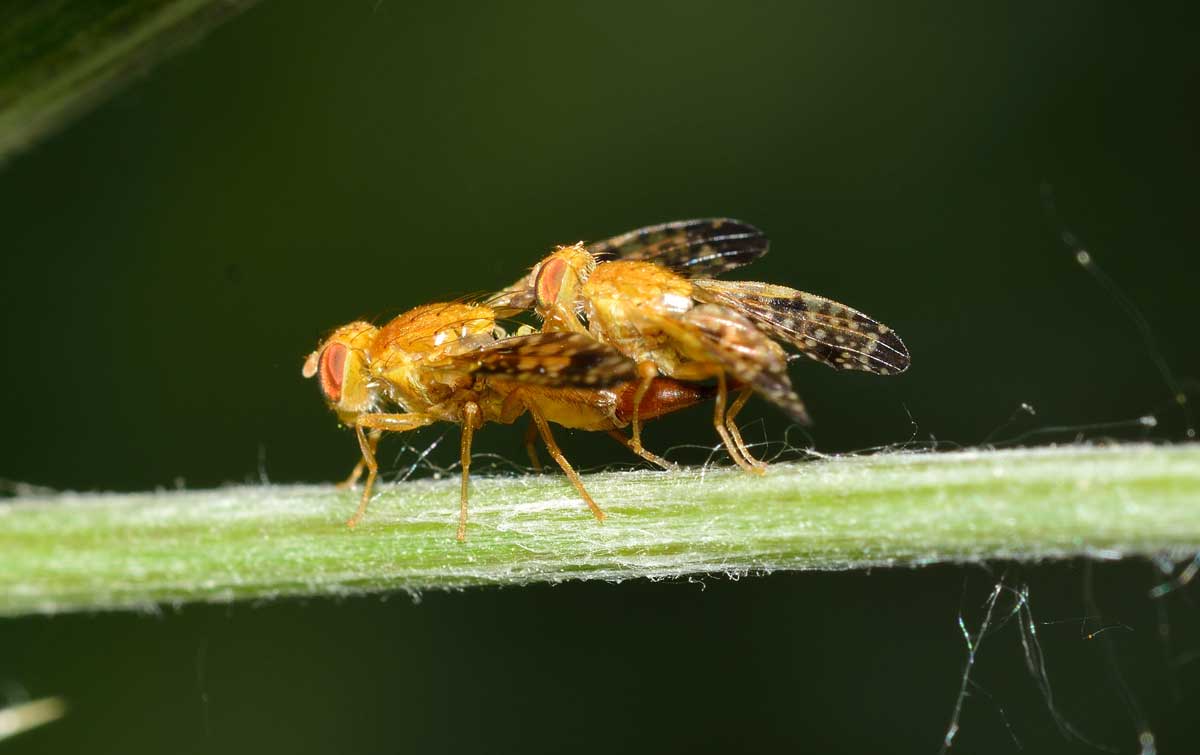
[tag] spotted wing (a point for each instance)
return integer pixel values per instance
(747, 355)
(821, 329)
(700, 248)
(553, 359)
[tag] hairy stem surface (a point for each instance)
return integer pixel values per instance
(98, 551)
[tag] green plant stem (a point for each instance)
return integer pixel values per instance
(97, 551)
(58, 58)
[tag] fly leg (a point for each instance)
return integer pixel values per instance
(736, 434)
(719, 422)
(723, 421)
(510, 411)
(470, 421)
(373, 441)
(647, 371)
(381, 423)
(544, 428)
(531, 446)
(653, 458)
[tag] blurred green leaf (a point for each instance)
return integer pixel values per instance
(59, 58)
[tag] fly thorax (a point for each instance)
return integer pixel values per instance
(675, 303)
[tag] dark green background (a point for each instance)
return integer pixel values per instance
(169, 259)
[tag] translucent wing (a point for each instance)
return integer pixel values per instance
(515, 299)
(747, 355)
(552, 359)
(819, 328)
(699, 248)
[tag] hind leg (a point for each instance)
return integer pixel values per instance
(531, 435)
(719, 422)
(649, 456)
(735, 433)
(470, 420)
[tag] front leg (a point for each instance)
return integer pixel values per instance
(379, 424)
(373, 441)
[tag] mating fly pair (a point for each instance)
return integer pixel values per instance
(623, 340)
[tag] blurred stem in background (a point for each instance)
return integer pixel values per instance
(57, 59)
(21, 717)
(81, 552)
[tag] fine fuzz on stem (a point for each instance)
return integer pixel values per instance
(101, 551)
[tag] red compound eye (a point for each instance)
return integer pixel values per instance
(549, 282)
(333, 368)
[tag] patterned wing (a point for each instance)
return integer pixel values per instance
(745, 352)
(820, 328)
(553, 359)
(700, 248)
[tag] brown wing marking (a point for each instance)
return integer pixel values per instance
(694, 248)
(554, 359)
(747, 355)
(820, 328)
